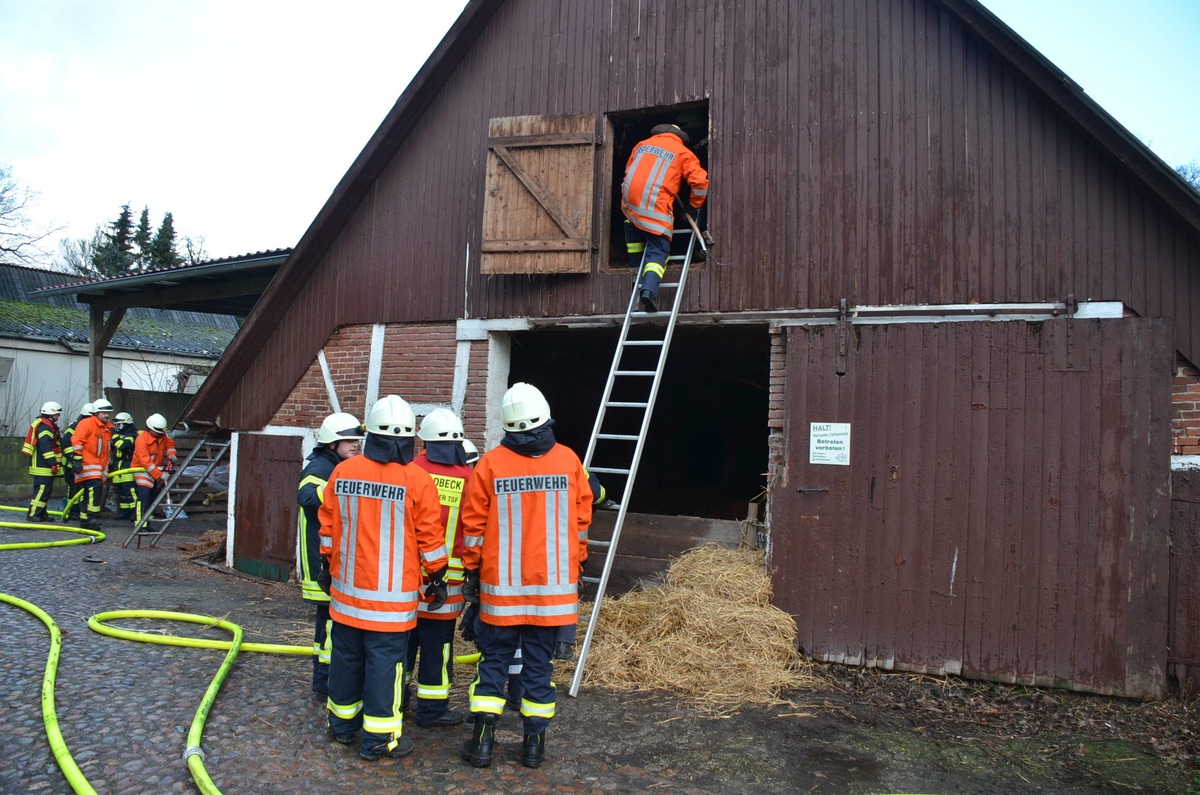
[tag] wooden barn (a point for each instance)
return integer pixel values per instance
(938, 360)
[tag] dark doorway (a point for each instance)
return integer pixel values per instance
(706, 451)
(628, 129)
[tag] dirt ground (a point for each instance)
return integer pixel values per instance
(866, 732)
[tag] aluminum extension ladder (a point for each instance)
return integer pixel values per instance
(628, 409)
(207, 453)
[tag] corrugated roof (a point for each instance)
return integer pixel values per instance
(59, 318)
(72, 281)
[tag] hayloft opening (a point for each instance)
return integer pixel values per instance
(706, 451)
(626, 130)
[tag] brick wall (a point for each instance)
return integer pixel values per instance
(418, 365)
(1185, 408)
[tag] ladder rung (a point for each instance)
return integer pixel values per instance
(623, 405)
(590, 580)
(643, 342)
(598, 544)
(634, 372)
(628, 437)
(609, 471)
(668, 284)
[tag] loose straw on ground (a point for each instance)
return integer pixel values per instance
(709, 634)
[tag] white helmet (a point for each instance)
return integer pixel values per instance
(471, 450)
(339, 427)
(124, 416)
(392, 416)
(102, 405)
(157, 422)
(50, 407)
(440, 425)
(524, 408)
(87, 410)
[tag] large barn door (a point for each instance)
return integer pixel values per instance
(537, 210)
(988, 498)
(264, 520)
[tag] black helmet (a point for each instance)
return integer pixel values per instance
(659, 129)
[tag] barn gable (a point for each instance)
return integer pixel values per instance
(881, 151)
(873, 162)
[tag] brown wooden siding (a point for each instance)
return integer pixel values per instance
(1184, 637)
(264, 543)
(1004, 513)
(873, 150)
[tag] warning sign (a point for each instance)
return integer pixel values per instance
(829, 443)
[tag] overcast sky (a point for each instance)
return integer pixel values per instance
(240, 116)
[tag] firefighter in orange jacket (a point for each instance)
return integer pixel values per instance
(445, 459)
(525, 521)
(43, 445)
(154, 452)
(92, 442)
(654, 174)
(380, 523)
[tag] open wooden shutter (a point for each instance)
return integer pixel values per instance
(537, 211)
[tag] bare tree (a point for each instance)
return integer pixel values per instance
(76, 255)
(1190, 172)
(20, 240)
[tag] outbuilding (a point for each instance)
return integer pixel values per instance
(938, 359)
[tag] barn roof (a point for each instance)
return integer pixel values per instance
(1058, 89)
(34, 307)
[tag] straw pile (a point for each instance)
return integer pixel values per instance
(709, 634)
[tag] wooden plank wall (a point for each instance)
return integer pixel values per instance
(1004, 515)
(1184, 635)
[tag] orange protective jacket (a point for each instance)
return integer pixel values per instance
(92, 442)
(451, 481)
(380, 523)
(525, 524)
(151, 451)
(656, 169)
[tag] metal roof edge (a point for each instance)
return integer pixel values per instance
(139, 279)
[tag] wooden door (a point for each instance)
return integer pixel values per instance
(1004, 509)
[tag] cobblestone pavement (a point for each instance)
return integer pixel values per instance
(124, 707)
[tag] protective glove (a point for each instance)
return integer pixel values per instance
(436, 592)
(77, 466)
(54, 469)
(470, 586)
(470, 623)
(324, 578)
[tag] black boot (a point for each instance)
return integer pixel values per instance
(479, 749)
(533, 750)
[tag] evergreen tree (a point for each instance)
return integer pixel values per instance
(163, 253)
(114, 257)
(142, 240)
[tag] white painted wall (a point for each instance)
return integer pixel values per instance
(42, 371)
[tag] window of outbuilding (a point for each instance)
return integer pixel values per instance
(625, 130)
(706, 452)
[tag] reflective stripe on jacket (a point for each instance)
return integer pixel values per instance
(379, 526)
(309, 495)
(451, 481)
(525, 526)
(152, 451)
(42, 447)
(122, 453)
(656, 169)
(92, 441)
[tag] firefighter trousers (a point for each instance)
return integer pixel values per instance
(43, 487)
(366, 683)
(498, 647)
(434, 667)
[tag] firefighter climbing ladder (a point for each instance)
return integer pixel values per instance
(625, 410)
(206, 453)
